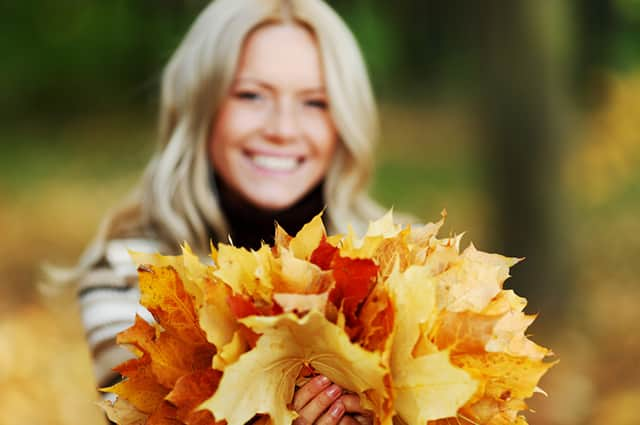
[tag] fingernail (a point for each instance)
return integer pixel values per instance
(337, 410)
(323, 380)
(333, 391)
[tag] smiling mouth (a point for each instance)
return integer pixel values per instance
(276, 163)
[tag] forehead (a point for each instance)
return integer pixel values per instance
(282, 54)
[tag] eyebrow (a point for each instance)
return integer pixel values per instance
(268, 86)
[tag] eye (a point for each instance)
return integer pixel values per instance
(247, 95)
(316, 103)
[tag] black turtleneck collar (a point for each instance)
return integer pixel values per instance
(249, 225)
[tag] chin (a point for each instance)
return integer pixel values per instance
(275, 203)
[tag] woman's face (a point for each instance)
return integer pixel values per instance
(273, 138)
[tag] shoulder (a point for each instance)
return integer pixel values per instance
(115, 268)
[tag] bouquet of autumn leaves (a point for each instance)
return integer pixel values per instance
(424, 333)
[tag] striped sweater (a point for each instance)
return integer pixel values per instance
(109, 301)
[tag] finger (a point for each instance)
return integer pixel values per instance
(308, 391)
(333, 415)
(352, 404)
(348, 420)
(317, 406)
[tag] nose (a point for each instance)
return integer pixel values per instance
(282, 125)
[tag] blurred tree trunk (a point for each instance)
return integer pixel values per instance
(522, 106)
(596, 24)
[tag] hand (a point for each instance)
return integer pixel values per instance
(320, 402)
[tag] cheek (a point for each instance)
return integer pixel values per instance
(230, 129)
(324, 135)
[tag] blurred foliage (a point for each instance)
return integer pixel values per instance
(61, 56)
(106, 54)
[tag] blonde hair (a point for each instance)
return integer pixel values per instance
(174, 200)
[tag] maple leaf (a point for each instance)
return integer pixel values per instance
(190, 269)
(377, 318)
(354, 279)
(288, 343)
(182, 345)
(499, 328)
(123, 412)
(246, 272)
(426, 387)
(290, 274)
(473, 280)
(486, 336)
(302, 303)
(323, 255)
(190, 391)
(141, 388)
(384, 226)
(216, 318)
(308, 238)
(163, 294)
(509, 333)
(504, 376)
(167, 352)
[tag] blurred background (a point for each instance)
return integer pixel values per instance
(520, 117)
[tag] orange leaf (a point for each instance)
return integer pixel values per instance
(466, 332)
(191, 391)
(141, 389)
(377, 317)
(164, 415)
(241, 306)
(170, 357)
(323, 255)
(163, 294)
(354, 278)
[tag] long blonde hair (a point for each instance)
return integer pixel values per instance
(174, 201)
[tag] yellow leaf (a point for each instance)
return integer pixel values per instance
(509, 333)
(287, 344)
(441, 255)
(504, 376)
(472, 282)
(421, 235)
(488, 411)
(216, 318)
(352, 247)
(302, 303)
(293, 275)
(308, 238)
(230, 353)
(191, 270)
(427, 387)
(384, 226)
(246, 272)
(195, 274)
(392, 252)
(382, 231)
(463, 332)
(509, 337)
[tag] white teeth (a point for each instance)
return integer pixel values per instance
(275, 163)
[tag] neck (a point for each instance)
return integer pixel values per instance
(250, 225)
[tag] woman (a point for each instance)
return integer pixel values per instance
(266, 114)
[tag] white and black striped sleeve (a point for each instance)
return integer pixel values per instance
(109, 301)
